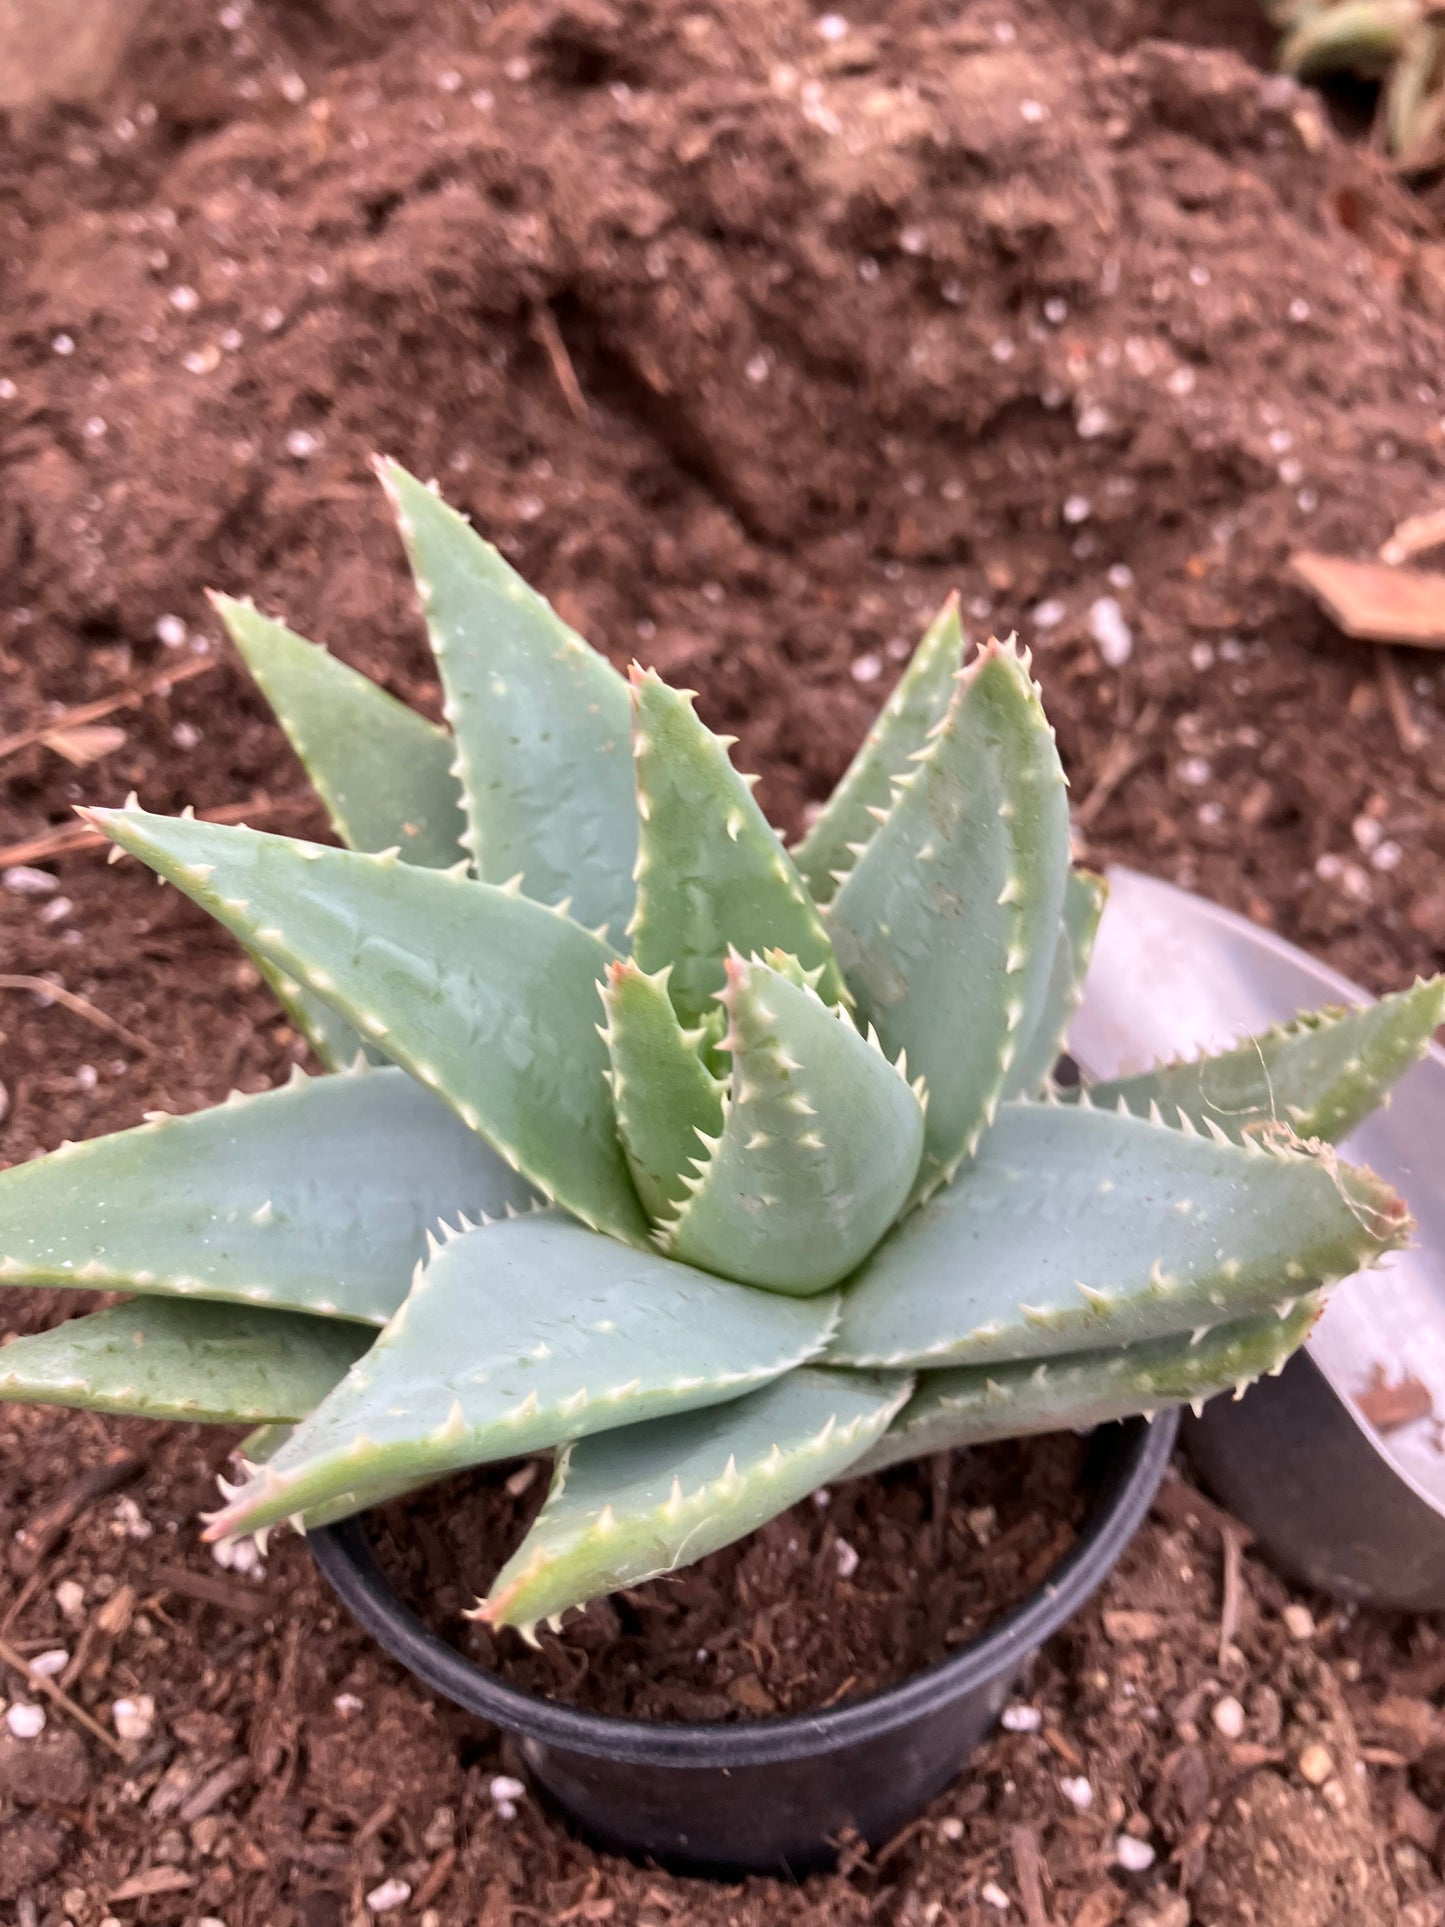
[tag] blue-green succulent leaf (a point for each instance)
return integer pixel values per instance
(520, 1336)
(339, 1047)
(1084, 898)
(1076, 1229)
(711, 873)
(846, 823)
(627, 1506)
(314, 1198)
(947, 924)
(1320, 1074)
(818, 1150)
(668, 1102)
(484, 996)
(160, 1358)
(542, 722)
(1014, 1399)
(383, 772)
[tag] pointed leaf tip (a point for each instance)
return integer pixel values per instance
(541, 720)
(712, 875)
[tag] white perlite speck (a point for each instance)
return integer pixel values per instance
(1229, 1717)
(1048, 614)
(1112, 633)
(1078, 1792)
(1133, 1855)
(390, 1894)
(25, 1720)
(134, 1719)
(1021, 1719)
(21, 881)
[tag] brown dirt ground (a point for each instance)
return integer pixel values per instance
(747, 341)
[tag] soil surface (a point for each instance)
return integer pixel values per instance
(748, 331)
(859, 1587)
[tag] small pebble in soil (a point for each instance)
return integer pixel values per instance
(1021, 1719)
(1299, 1621)
(1049, 613)
(347, 1703)
(951, 1827)
(171, 631)
(1133, 1855)
(1315, 1764)
(1093, 422)
(390, 1894)
(867, 668)
(301, 444)
(1229, 1717)
(993, 1895)
(1078, 1792)
(70, 1598)
(847, 1557)
(25, 1720)
(47, 1665)
(1077, 508)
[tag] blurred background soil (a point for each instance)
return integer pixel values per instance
(748, 331)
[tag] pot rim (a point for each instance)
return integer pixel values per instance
(1136, 1455)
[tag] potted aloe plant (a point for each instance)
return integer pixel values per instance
(718, 1172)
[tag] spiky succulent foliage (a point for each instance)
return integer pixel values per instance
(718, 1171)
(1400, 43)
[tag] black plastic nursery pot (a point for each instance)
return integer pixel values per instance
(773, 1795)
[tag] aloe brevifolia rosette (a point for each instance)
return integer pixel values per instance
(720, 1170)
